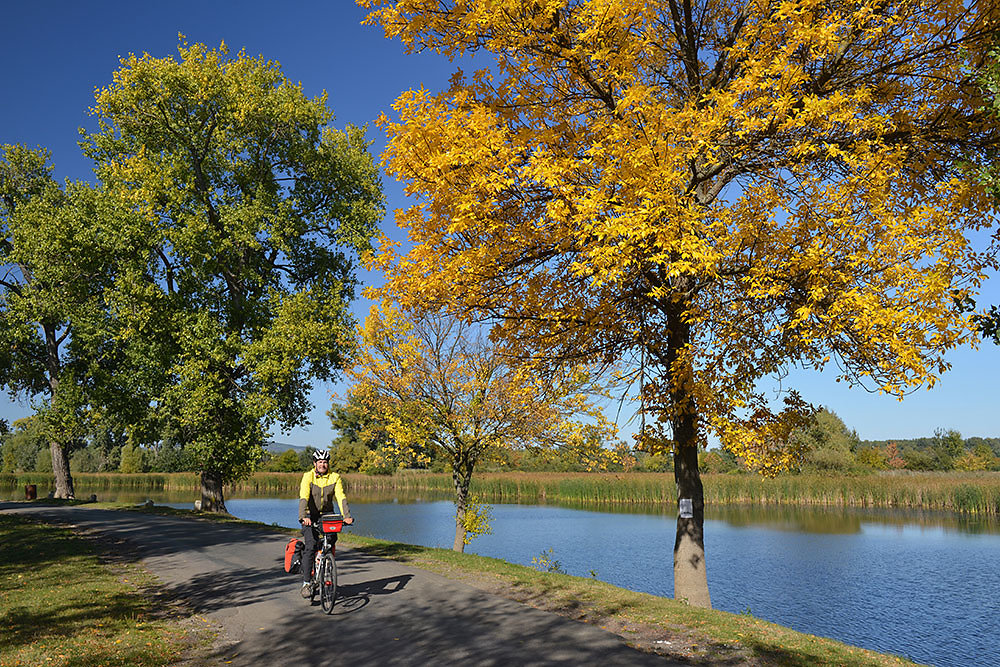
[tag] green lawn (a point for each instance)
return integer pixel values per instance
(61, 605)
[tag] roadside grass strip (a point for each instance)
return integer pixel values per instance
(60, 605)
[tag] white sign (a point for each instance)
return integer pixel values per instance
(687, 508)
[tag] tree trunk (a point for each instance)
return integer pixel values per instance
(60, 470)
(462, 480)
(60, 461)
(211, 492)
(690, 573)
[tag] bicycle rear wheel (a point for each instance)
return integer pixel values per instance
(328, 583)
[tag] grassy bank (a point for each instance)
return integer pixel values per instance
(971, 493)
(59, 605)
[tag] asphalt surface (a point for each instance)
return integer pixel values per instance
(387, 613)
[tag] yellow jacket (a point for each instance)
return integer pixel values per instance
(317, 494)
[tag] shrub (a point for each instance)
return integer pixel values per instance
(348, 456)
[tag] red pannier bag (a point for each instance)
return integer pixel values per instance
(293, 554)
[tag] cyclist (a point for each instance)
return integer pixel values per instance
(317, 492)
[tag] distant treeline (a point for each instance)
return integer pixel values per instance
(929, 442)
(828, 447)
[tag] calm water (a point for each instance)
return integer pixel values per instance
(923, 586)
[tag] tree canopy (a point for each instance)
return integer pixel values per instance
(433, 381)
(251, 207)
(59, 251)
(709, 191)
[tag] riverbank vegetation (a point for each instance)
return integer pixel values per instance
(965, 492)
(61, 605)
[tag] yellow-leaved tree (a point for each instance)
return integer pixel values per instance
(708, 191)
(435, 381)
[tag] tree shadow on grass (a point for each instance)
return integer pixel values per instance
(21, 546)
(23, 626)
(772, 654)
(394, 550)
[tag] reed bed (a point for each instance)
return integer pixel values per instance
(970, 493)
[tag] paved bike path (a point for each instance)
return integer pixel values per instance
(387, 613)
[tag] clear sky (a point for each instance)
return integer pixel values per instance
(57, 53)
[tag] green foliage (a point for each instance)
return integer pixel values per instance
(829, 444)
(26, 449)
(133, 460)
(919, 459)
(59, 246)
(305, 457)
(359, 432)
(717, 461)
(168, 457)
(287, 461)
(347, 456)
(988, 173)
(662, 462)
(872, 457)
(251, 208)
(947, 446)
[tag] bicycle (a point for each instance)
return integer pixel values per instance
(324, 580)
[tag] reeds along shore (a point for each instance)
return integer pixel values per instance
(973, 493)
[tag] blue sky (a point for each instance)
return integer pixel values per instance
(57, 53)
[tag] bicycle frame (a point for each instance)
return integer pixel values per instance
(324, 579)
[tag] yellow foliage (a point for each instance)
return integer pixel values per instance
(435, 381)
(709, 192)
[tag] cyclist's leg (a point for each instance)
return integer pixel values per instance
(308, 553)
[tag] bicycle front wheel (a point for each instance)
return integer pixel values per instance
(328, 583)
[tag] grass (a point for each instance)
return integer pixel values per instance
(61, 605)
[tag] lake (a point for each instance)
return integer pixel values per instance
(920, 585)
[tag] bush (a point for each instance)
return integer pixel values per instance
(133, 460)
(287, 461)
(872, 457)
(828, 460)
(917, 459)
(347, 456)
(657, 463)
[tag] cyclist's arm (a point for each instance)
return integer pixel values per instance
(304, 491)
(342, 501)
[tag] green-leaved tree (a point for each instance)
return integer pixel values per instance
(58, 248)
(253, 207)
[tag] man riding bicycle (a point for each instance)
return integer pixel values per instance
(317, 492)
